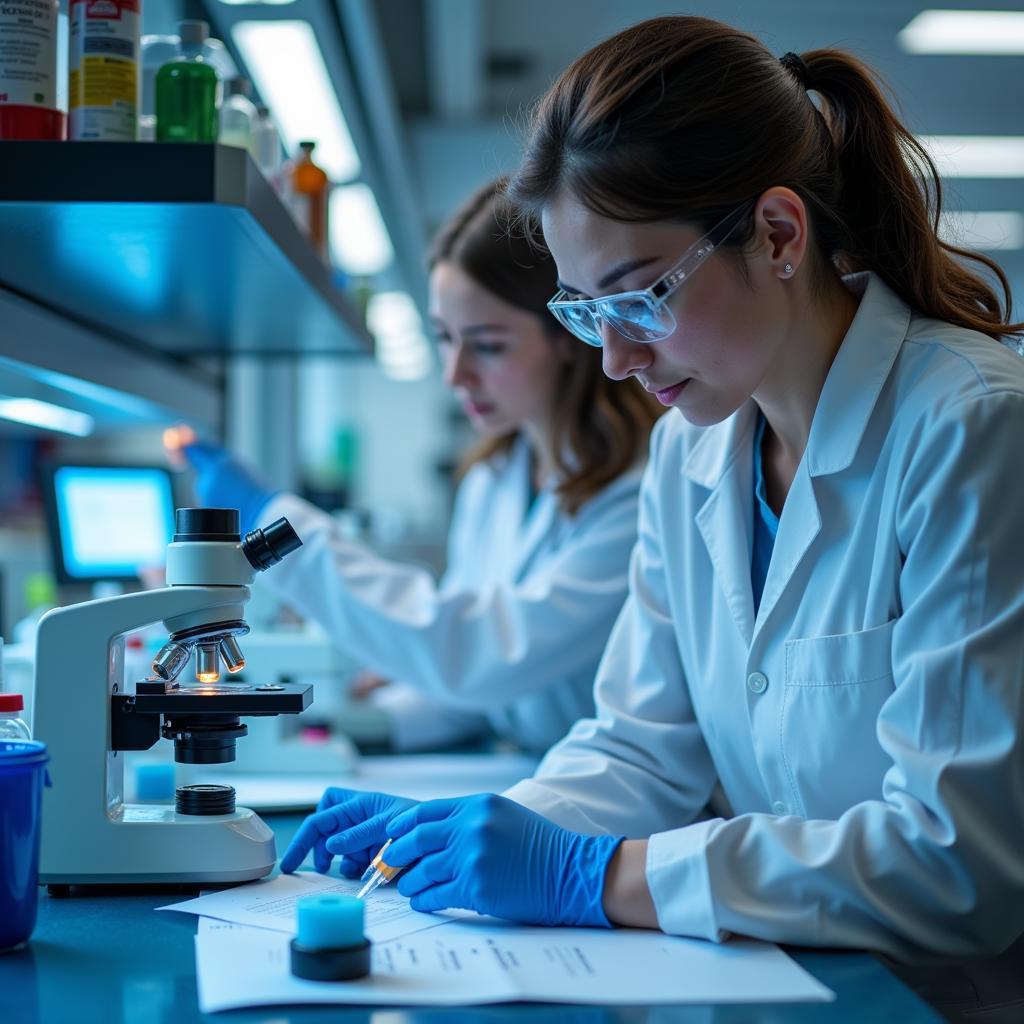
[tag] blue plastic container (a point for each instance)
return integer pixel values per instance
(22, 777)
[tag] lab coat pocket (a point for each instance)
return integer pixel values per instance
(835, 688)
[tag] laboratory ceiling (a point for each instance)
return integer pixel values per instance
(465, 73)
(522, 45)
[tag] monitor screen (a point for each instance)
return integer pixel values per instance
(108, 522)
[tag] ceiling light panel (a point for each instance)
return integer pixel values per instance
(402, 350)
(288, 69)
(360, 244)
(35, 413)
(976, 156)
(988, 230)
(995, 33)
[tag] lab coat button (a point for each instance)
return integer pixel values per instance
(779, 808)
(757, 682)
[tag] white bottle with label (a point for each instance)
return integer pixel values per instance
(237, 114)
(28, 72)
(265, 147)
(103, 63)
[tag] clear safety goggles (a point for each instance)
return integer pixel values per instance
(641, 315)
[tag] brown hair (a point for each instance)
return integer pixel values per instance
(601, 428)
(686, 118)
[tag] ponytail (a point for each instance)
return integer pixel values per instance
(684, 118)
(889, 203)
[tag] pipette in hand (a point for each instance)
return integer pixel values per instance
(377, 873)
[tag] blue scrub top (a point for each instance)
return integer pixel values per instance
(766, 522)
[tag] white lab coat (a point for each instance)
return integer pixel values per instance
(866, 728)
(515, 629)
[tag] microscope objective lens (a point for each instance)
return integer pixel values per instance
(234, 660)
(170, 661)
(208, 663)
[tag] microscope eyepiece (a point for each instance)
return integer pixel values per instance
(205, 524)
(266, 547)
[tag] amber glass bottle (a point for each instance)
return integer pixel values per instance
(309, 191)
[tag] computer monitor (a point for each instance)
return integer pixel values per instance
(108, 521)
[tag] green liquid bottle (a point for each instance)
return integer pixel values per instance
(186, 91)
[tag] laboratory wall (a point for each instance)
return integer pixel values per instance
(311, 359)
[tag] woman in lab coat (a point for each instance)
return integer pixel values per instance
(810, 714)
(543, 524)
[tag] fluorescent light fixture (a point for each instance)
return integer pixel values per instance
(402, 350)
(974, 32)
(988, 230)
(285, 62)
(360, 244)
(43, 414)
(409, 371)
(976, 156)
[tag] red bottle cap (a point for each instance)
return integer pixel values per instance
(11, 702)
(24, 122)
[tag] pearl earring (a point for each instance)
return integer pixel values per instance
(788, 268)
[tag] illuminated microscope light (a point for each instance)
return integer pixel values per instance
(208, 662)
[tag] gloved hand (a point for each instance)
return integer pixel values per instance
(489, 854)
(223, 482)
(348, 822)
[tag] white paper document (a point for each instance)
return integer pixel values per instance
(469, 962)
(270, 903)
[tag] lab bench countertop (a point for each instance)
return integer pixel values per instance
(108, 957)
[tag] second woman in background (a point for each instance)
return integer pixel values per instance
(543, 524)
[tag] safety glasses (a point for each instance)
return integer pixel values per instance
(642, 315)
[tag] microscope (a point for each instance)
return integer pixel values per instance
(88, 717)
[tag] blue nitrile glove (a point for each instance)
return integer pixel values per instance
(347, 822)
(489, 854)
(223, 482)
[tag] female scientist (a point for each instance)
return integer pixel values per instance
(543, 524)
(810, 711)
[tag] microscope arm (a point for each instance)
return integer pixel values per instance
(178, 607)
(78, 659)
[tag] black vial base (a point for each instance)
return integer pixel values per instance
(345, 964)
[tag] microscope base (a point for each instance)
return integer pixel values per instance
(135, 847)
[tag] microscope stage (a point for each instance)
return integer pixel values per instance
(157, 697)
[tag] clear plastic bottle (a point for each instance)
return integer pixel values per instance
(186, 91)
(265, 146)
(308, 195)
(12, 727)
(237, 114)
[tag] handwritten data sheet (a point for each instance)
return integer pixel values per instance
(480, 961)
